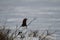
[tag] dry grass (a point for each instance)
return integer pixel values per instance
(4, 35)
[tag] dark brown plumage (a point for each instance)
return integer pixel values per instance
(24, 22)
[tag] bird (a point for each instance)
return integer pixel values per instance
(24, 22)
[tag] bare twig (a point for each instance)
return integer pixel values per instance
(31, 21)
(19, 28)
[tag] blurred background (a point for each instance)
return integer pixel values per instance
(46, 12)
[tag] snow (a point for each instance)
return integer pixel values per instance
(47, 13)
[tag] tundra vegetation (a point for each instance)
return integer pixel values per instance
(7, 34)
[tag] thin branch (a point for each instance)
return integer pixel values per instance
(20, 26)
(28, 24)
(31, 21)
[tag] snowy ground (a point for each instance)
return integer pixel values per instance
(47, 13)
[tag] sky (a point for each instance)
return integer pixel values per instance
(46, 12)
